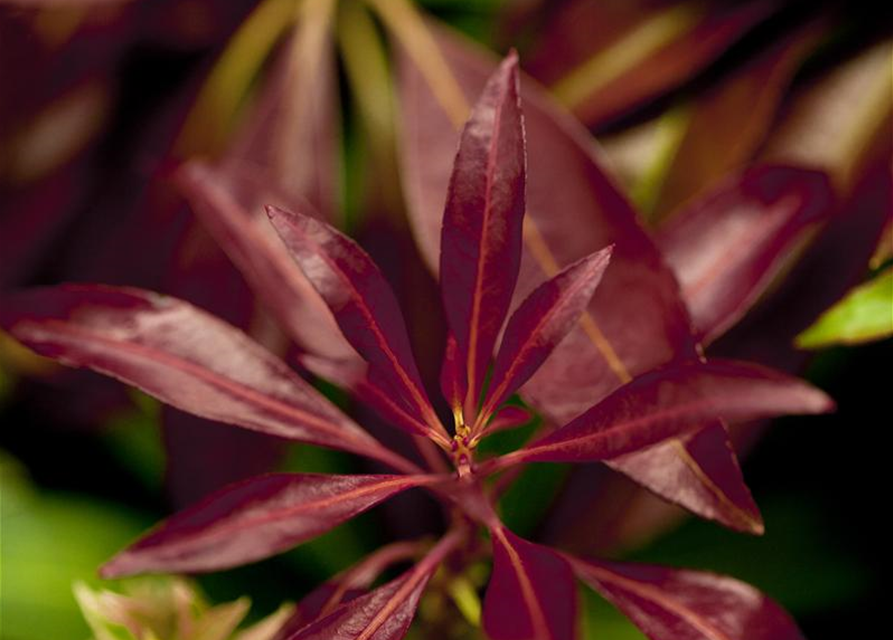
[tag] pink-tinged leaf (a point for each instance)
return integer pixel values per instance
(218, 198)
(255, 519)
(509, 417)
(362, 302)
(636, 320)
(386, 612)
(480, 249)
(541, 323)
(727, 246)
(347, 586)
(603, 59)
(674, 604)
(531, 595)
(184, 357)
(670, 402)
(353, 375)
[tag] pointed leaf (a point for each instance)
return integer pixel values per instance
(669, 402)
(386, 612)
(509, 417)
(673, 604)
(480, 249)
(453, 381)
(727, 246)
(865, 314)
(541, 323)
(255, 519)
(362, 302)
(531, 592)
(183, 357)
(244, 234)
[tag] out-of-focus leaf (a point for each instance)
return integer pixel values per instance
(363, 305)
(182, 356)
(604, 59)
(672, 604)
(727, 246)
(636, 320)
(668, 402)
(252, 245)
(865, 314)
(726, 124)
(480, 249)
(841, 121)
(531, 593)
(884, 250)
(540, 323)
(255, 519)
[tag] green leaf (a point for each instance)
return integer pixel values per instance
(865, 314)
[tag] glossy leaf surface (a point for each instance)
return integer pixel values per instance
(540, 323)
(865, 314)
(669, 402)
(531, 594)
(255, 519)
(480, 249)
(254, 248)
(182, 356)
(672, 604)
(360, 299)
(727, 246)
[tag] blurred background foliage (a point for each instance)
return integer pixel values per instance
(86, 466)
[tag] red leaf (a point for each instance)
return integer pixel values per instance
(217, 198)
(362, 302)
(480, 249)
(672, 401)
(671, 604)
(386, 612)
(184, 357)
(540, 323)
(255, 519)
(727, 246)
(531, 592)
(453, 381)
(509, 417)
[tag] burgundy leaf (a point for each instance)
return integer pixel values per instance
(386, 612)
(363, 305)
(480, 249)
(669, 402)
(727, 246)
(509, 417)
(256, 519)
(184, 357)
(540, 323)
(260, 256)
(347, 586)
(602, 59)
(674, 604)
(531, 594)
(453, 381)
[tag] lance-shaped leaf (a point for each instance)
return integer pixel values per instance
(669, 402)
(480, 249)
(602, 59)
(255, 519)
(184, 357)
(673, 604)
(865, 314)
(540, 323)
(727, 246)
(453, 381)
(531, 592)
(249, 242)
(509, 417)
(386, 612)
(362, 302)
